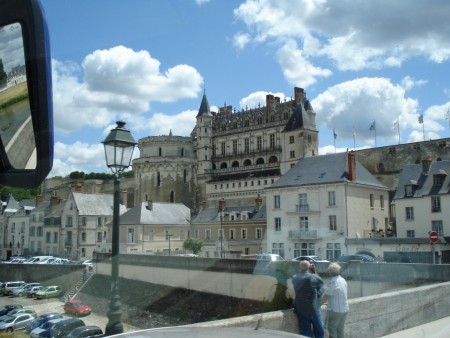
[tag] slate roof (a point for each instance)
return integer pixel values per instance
(325, 169)
(159, 214)
(423, 183)
(209, 215)
(204, 107)
(95, 204)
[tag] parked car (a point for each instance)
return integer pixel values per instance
(37, 260)
(7, 287)
(19, 310)
(63, 327)
(18, 321)
(85, 331)
(359, 257)
(40, 320)
(32, 292)
(8, 308)
(43, 331)
(311, 259)
(49, 292)
(77, 308)
(269, 257)
(21, 291)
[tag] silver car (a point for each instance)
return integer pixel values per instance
(18, 321)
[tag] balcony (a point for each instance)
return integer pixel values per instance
(303, 234)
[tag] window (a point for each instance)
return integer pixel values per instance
(247, 145)
(435, 204)
(302, 202)
(83, 221)
(222, 147)
(292, 154)
(235, 146)
(259, 143)
(331, 198)
(438, 227)
(372, 202)
(244, 233)
(40, 232)
(438, 179)
(277, 224)
(207, 234)
(307, 249)
(99, 236)
(99, 221)
(69, 221)
(333, 251)
(55, 237)
(291, 139)
(408, 190)
(332, 219)
(410, 233)
(304, 223)
(278, 248)
(382, 202)
(232, 234)
(83, 237)
(259, 233)
(409, 211)
(130, 235)
(196, 233)
(272, 141)
(151, 235)
(32, 231)
(182, 235)
(276, 201)
(48, 236)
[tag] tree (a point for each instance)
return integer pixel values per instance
(2, 73)
(193, 244)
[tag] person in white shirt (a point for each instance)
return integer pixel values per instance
(336, 296)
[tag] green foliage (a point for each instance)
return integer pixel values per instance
(193, 244)
(128, 173)
(18, 193)
(2, 73)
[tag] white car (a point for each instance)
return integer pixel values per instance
(311, 259)
(18, 321)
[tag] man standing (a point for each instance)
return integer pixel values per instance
(307, 287)
(336, 295)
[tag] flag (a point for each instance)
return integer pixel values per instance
(396, 124)
(421, 119)
(354, 134)
(372, 126)
(334, 134)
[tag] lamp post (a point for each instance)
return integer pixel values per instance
(119, 146)
(221, 208)
(168, 237)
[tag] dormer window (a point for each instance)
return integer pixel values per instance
(409, 190)
(438, 179)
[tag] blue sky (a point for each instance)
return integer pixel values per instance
(148, 63)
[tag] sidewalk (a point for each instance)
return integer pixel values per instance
(437, 329)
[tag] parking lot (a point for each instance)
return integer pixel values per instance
(43, 306)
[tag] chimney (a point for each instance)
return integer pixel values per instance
(426, 162)
(269, 102)
(54, 200)
(351, 166)
(39, 199)
(124, 198)
(78, 187)
(150, 204)
(298, 95)
(258, 202)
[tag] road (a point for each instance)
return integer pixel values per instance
(42, 306)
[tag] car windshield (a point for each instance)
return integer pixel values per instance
(7, 319)
(201, 149)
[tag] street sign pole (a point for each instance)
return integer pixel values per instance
(433, 252)
(433, 236)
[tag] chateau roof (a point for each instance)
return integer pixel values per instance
(422, 182)
(325, 169)
(204, 107)
(95, 204)
(209, 215)
(157, 214)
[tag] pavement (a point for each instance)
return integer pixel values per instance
(437, 329)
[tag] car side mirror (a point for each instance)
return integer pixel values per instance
(26, 115)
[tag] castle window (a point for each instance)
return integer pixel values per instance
(259, 143)
(272, 118)
(222, 146)
(182, 152)
(292, 153)
(247, 145)
(158, 179)
(185, 175)
(235, 146)
(291, 139)
(172, 196)
(159, 151)
(309, 139)
(272, 141)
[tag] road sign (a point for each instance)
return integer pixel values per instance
(434, 237)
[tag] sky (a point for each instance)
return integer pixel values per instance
(377, 63)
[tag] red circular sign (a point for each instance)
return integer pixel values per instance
(434, 237)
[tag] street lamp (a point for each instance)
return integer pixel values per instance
(221, 208)
(168, 237)
(119, 146)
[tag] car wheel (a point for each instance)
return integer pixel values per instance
(9, 329)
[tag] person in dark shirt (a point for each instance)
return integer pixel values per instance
(308, 292)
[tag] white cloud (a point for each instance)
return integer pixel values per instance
(354, 105)
(201, 2)
(409, 83)
(240, 40)
(346, 33)
(116, 81)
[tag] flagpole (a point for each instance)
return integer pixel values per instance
(354, 139)
(398, 128)
(334, 140)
